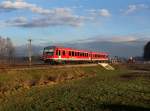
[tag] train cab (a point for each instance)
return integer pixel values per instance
(48, 53)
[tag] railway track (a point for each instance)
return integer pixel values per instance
(41, 66)
(21, 66)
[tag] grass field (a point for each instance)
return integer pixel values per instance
(78, 89)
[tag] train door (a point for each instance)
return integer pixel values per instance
(59, 55)
(63, 55)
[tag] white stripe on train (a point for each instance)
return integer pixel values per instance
(76, 59)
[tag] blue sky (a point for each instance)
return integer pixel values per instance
(47, 21)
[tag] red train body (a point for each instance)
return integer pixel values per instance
(56, 54)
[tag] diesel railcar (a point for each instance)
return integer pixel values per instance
(58, 54)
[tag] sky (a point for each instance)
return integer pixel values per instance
(50, 21)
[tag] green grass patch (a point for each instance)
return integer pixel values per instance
(86, 88)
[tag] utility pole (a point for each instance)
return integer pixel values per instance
(30, 51)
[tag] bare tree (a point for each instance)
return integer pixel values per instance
(7, 50)
(2, 48)
(10, 50)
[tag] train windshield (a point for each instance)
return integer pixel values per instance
(49, 52)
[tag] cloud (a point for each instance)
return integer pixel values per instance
(99, 12)
(18, 21)
(123, 39)
(45, 21)
(135, 7)
(104, 13)
(19, 4)
(109, 38)
(47, 17)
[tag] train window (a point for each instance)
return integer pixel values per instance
(102, 56)
(64, 53)
(82, 54)
(56, 52)
(75, 53)
(59, 53)
(78, 53)
(72, 53)
(69, 53)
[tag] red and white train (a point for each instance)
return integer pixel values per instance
(57, 54)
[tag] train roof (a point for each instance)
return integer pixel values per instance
(80, 50)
